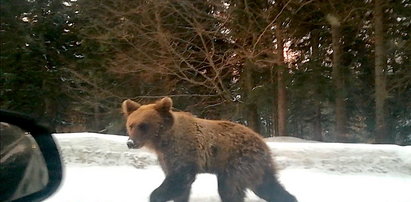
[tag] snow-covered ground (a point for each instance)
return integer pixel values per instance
(100, 168)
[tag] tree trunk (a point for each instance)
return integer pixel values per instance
(275, 103)
(250, 109)
(253, 117)
(281, 88)
(317, 123)
(96, 112)
(340, 106)
(50, 107)
(317, 129)
(381, 135)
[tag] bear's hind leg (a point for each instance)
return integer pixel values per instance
(229, 189)
(271, 190)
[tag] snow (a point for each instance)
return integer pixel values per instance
(101, 168)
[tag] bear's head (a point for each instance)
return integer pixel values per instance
(146, 123)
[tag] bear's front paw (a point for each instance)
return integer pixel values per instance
(156, 196)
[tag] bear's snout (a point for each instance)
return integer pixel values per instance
(130, 144)
(134, 144)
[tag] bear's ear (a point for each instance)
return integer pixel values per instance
(129, 107)
(164, 105)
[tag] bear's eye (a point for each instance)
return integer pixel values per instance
(143, 127)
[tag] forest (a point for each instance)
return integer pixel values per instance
(333, 71)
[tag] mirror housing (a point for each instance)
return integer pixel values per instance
(48, 150)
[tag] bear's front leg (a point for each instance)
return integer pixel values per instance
(184, 197)
(176, 186)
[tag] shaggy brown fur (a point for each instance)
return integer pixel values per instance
(186, 145)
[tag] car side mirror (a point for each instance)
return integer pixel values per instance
(31, 168)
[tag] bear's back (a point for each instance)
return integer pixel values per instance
(221, 144)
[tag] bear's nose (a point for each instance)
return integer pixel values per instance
(130, 143)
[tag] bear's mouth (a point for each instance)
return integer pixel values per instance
(132, 144)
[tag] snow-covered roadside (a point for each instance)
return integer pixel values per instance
(101, 168)
(91, 149)
(342, 158)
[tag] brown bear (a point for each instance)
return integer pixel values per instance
(186, 145)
